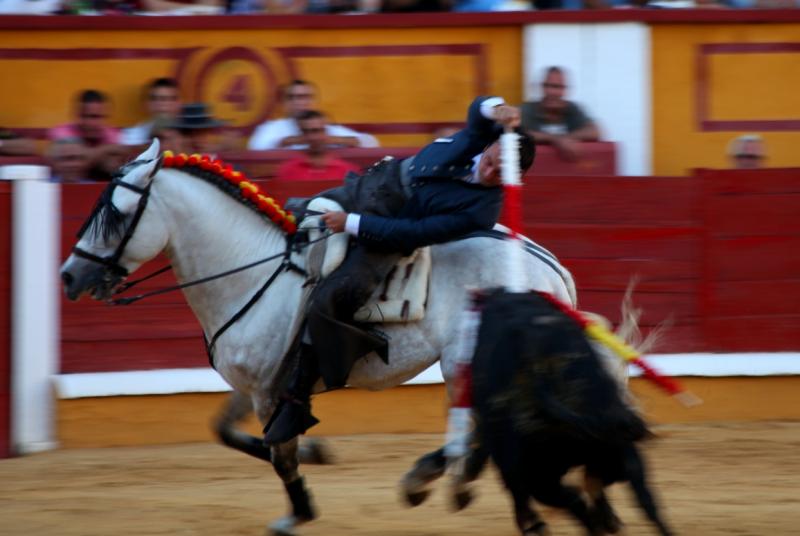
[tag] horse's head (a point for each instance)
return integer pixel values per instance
(120, 234)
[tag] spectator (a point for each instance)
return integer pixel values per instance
(557, 121)
(747, 151)
(444, 132)
(13, 145)
(29, 7)
(315, 163)
(198, 129)
(102, 141)
(163, 102)
(300, 96)
(416, 6)
(170, 137)
(177, 7)
(68, 159)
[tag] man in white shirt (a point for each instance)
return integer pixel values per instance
(300, 96)
(163, 102)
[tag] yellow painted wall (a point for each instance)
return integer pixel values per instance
(370, 85)
(740, 86)
(139, 420)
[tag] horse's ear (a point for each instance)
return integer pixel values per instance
(159, 163)
(152, 152)
(142, 174)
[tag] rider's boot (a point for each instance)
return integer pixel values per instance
(292, 416)
(331, 360)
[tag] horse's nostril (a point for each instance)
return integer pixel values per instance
(67, 278)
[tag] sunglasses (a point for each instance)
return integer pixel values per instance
(550, 85)
(93, 116)
(749, 156)
(163, 98)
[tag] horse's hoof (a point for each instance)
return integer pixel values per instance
(416, 498)
(414, 490)
(539, 528)
(315, 452)
(284, 526)
(462, 499)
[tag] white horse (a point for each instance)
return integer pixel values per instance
(206, 228)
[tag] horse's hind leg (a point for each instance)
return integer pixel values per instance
(236, 409)
(415, 483)
(470, 469)
(284, 459)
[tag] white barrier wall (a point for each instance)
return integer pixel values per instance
(35, 326)
(608, 74)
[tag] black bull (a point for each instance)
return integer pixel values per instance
(544, 404)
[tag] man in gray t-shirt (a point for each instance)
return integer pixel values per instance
(557, 121)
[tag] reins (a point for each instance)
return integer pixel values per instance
(291, 266)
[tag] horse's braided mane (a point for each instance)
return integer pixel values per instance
(233, 183)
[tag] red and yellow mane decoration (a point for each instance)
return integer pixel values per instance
(247, 189)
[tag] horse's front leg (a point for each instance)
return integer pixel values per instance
(236, 409)
(285, 461)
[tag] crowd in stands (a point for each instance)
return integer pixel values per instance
(88, 148)
(194, 7)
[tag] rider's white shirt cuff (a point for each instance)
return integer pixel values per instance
(487, 106)
(351, 224)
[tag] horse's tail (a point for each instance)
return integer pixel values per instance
(628, 329)
(630, 332)
(572, 290)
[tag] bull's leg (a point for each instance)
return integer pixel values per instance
(236, 409)
(552, 492)
(528, 520)
(635, 470)
(601, 508)
(284, 459)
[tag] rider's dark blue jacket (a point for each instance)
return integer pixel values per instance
(442, 206)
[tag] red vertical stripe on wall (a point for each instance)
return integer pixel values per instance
(5, 320)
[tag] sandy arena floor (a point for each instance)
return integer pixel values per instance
(723, 479)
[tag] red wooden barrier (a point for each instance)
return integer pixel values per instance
(751, 299)
(726, 279)
(597, 159)
(5, 319)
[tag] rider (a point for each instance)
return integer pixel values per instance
(455, 184)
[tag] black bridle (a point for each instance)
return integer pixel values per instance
(111, 262)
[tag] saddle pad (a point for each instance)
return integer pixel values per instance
(401, 297)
